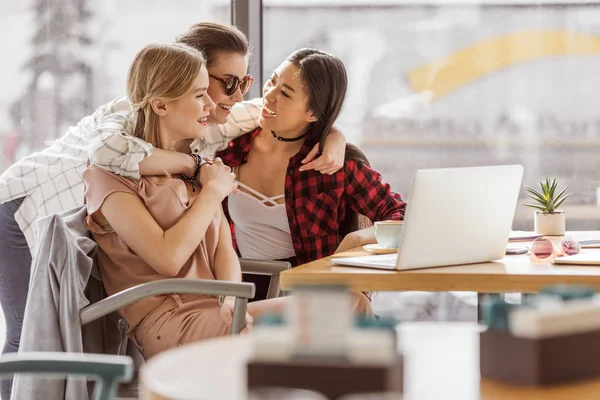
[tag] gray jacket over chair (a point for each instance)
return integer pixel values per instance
(59, 275)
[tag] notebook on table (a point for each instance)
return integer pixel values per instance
(590, 244)
(590, 257)
(522, 236)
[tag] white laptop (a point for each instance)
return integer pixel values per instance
(454, 216)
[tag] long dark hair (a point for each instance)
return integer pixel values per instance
(325, 79)
(353, 220)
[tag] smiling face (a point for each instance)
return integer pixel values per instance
(285, 109)
(186, 117)
(225, 66)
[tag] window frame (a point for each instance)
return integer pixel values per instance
(247, 15)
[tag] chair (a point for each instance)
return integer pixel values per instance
(109, 305)
(107, 370)
(270, 268)
(242, 291)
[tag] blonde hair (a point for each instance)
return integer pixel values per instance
(159, 70)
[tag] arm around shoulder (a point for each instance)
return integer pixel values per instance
(113, 147)
(118, 152)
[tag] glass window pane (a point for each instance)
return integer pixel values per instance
(448, 84)
(64, 58)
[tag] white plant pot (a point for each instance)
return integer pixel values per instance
(549, 224)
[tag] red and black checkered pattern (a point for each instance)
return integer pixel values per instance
(316, 203)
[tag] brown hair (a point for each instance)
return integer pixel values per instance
(211, 38)
(159, 70)
(354, 221)
(324, 78)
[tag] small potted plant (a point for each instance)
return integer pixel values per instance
(548, 219)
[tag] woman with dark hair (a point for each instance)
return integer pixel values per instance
(284, 213)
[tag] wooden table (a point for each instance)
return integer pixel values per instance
(511, 274)
(442, 362)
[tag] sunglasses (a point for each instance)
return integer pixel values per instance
(232, 84)
(542, 249)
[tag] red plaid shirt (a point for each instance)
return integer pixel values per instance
(316, 203)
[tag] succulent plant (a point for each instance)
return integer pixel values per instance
(547, 201)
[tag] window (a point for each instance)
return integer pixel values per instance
(64, 58)
(448, 84)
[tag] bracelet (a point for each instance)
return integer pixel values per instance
(199, 163)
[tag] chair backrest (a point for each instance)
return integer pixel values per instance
(107, 370)
(269, 268)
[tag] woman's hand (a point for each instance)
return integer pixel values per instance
(349, 242)
(227, 315)
(218, 178)
(332, 159)
(357, 239)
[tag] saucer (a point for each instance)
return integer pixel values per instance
(378, 249)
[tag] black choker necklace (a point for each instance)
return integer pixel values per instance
(282, 139)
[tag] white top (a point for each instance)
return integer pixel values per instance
(51, 180)
(262, 230)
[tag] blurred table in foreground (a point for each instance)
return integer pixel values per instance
(442, 362)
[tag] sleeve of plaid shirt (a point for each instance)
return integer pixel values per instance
(115, 149)
(369, 195)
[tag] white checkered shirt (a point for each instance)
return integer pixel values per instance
(118, 151)
(51, 180)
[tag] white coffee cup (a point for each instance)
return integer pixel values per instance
(388, 233)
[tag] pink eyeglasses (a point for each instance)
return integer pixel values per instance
(542, 249)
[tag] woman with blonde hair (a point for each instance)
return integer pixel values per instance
(163, 227)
